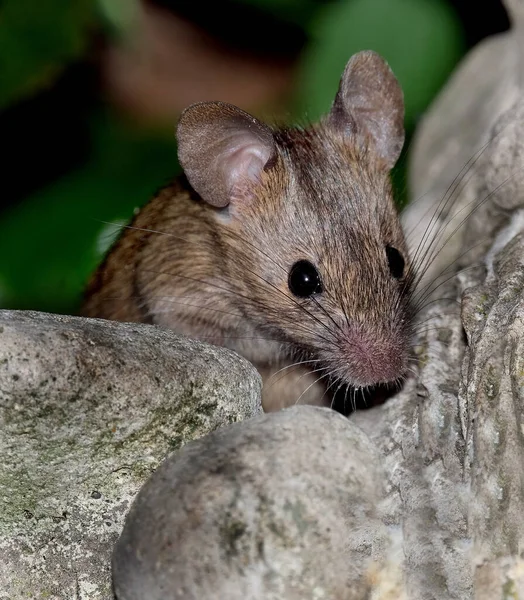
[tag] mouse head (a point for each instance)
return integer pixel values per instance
(313, 246)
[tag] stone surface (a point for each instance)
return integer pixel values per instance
(451, 139)
(451, 444)
(453, 439)
(492, 401)
(419, 499)
(88, 409)
(285, 505)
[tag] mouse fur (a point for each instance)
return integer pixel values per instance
(210, 255)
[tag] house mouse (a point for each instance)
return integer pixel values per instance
(283, 244)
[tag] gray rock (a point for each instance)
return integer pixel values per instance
(420, 438)
(419, 499)
(285, 505)
(452, 441)
(451, 444)
(88, 409)
(453, 142)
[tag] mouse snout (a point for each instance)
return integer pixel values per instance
(372, 357)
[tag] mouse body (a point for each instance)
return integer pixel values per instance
(281, 244)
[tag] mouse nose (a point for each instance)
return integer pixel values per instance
(374, 356)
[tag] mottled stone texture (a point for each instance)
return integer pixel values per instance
(282, 506)
(453, 439)
(419, 499)
(447, 450)
(88, 409)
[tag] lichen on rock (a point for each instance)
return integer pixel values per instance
(281, 506)
(419, 499)
(88, 409)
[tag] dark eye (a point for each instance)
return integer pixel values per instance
(395, 261)
(304, 279)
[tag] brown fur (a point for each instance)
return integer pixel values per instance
(221, 274)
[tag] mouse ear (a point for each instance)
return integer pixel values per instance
(370, 102)
(222, 150)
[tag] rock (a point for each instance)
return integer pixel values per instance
(285, 505)
(451, 139)
(88, 409)
(449, 447)
(419, 435)
(491, 397)
(452, 440)
(419, 499)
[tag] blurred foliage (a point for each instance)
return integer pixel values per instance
(119, 16)
(52, 240)
(50, 243)
(421, 39)
(37, 40)
(300, 12)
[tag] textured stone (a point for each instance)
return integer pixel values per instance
(88, 409)
(419, 499)
(451, 443)
(420, 437)
(451, 141)
(452, 440)
(285, 505)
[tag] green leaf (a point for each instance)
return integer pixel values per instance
(38, 38)
(50, 243)
(421, 39)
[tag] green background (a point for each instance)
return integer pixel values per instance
(52, 238)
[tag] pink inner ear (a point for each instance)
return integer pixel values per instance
(222, 150)
(243, 162)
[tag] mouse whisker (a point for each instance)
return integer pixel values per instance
(417, 360)
(363, 397)
(283, 374)
(418, 302)
(428, 287)
(186, 277)
(428, 319)
(428, 259)
(296, 303)
(467, 168)
(222, 288)
(235, 337)
(403, 378)
(295, 364)
(353, 399)
(459, 179)
(191, 241)
(205, 308)
(339, 377)
(312, 384)
(169, 300)
(443, 299)
(340, 384)
(333, 381)
(430, 329)
(327, 314)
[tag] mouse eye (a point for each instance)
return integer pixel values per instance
(304, 279)
(395, 261)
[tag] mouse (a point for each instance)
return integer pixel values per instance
(283, 244)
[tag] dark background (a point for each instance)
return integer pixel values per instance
(90, 91)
